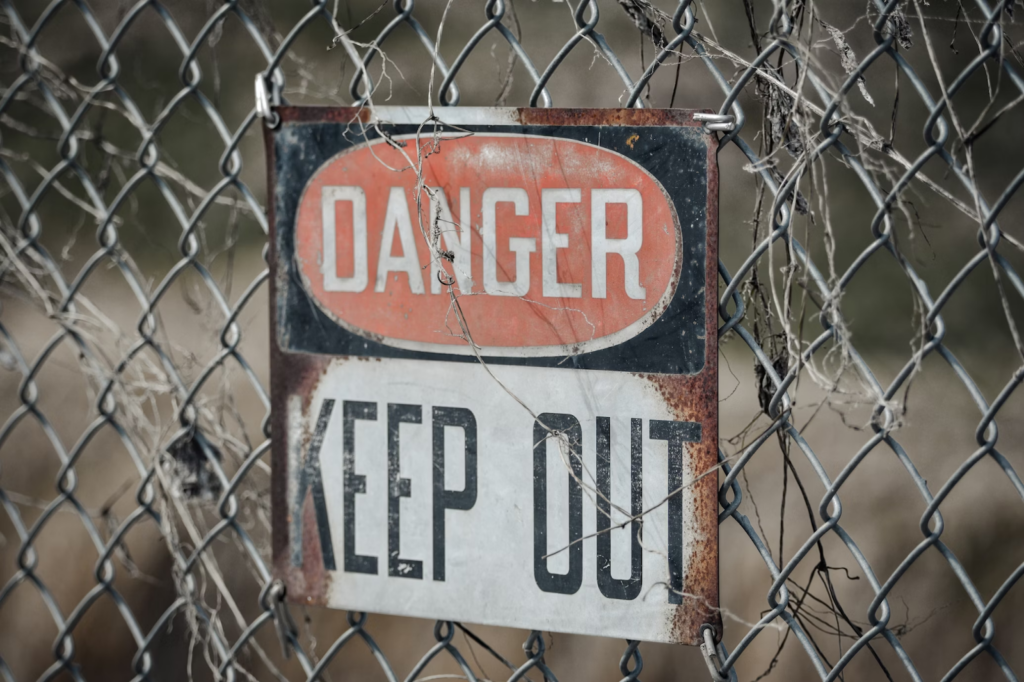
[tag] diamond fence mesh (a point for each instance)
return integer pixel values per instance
(870, 157)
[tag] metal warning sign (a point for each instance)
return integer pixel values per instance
(494, 366)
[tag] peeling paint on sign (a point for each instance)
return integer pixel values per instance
(494, 366)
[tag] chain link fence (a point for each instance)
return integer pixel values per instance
(870, 153)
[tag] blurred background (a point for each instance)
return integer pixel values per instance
(134, 332)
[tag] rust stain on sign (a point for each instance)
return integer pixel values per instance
(581, 248)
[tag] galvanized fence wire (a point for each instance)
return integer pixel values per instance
(837, 134)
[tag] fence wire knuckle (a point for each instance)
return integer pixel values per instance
(196, 459)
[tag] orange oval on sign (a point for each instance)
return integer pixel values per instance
(524, 245)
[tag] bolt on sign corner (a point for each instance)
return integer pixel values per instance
(494, 366)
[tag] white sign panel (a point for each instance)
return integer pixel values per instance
(494, 379)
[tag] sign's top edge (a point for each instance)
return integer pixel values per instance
(463, 116)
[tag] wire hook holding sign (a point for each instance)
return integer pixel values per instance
(723, 122)
(263, 101)
(273, 600)
(710, 651)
